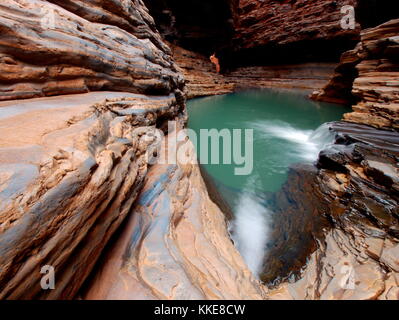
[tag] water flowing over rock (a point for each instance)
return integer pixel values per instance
(176, 245)
(355, 193)
(72, 167)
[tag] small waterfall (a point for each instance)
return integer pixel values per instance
(250, 228)
(306, 144)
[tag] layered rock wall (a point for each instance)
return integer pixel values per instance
(70, 170)
(369, 76)
(72, 167)
(46, 50)
(176, 245)
(259, 23)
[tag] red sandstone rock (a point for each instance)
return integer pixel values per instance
(69, 54)
(202, 80)
(258, 23)
(369, 74)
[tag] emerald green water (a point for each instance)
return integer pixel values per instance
(283, 124)
(287, 128)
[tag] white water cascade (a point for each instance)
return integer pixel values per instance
(250, 228)
(307, 143)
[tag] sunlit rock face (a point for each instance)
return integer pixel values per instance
(72, 166)
(175, 245)
(70, 169)
(47, 50)
(368, 76)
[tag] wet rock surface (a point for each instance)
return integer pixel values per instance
(175, 245)
(355, 192)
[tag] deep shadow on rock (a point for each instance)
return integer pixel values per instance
(345, 210)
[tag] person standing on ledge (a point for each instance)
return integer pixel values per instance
(215, 61)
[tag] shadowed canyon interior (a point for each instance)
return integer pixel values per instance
(88, 92)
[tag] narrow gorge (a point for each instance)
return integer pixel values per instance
(105, 180)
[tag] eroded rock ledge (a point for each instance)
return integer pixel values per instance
(202, 79)
(368, 75)
(70, 169)
(175, 245)
(75, 55)
(355, 189)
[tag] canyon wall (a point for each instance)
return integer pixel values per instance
(73, 166)
(271, 29)
(47, 50)
(368, 76)
(203, 80)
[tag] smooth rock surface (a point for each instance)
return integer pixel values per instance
(46, 50)
(70, 170)
(175, 244)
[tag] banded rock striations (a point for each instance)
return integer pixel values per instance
(72, 166)
(46, 50)
(258, 23)
(176, 245)
(355, 190)
(70, 169)
(369, 76)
